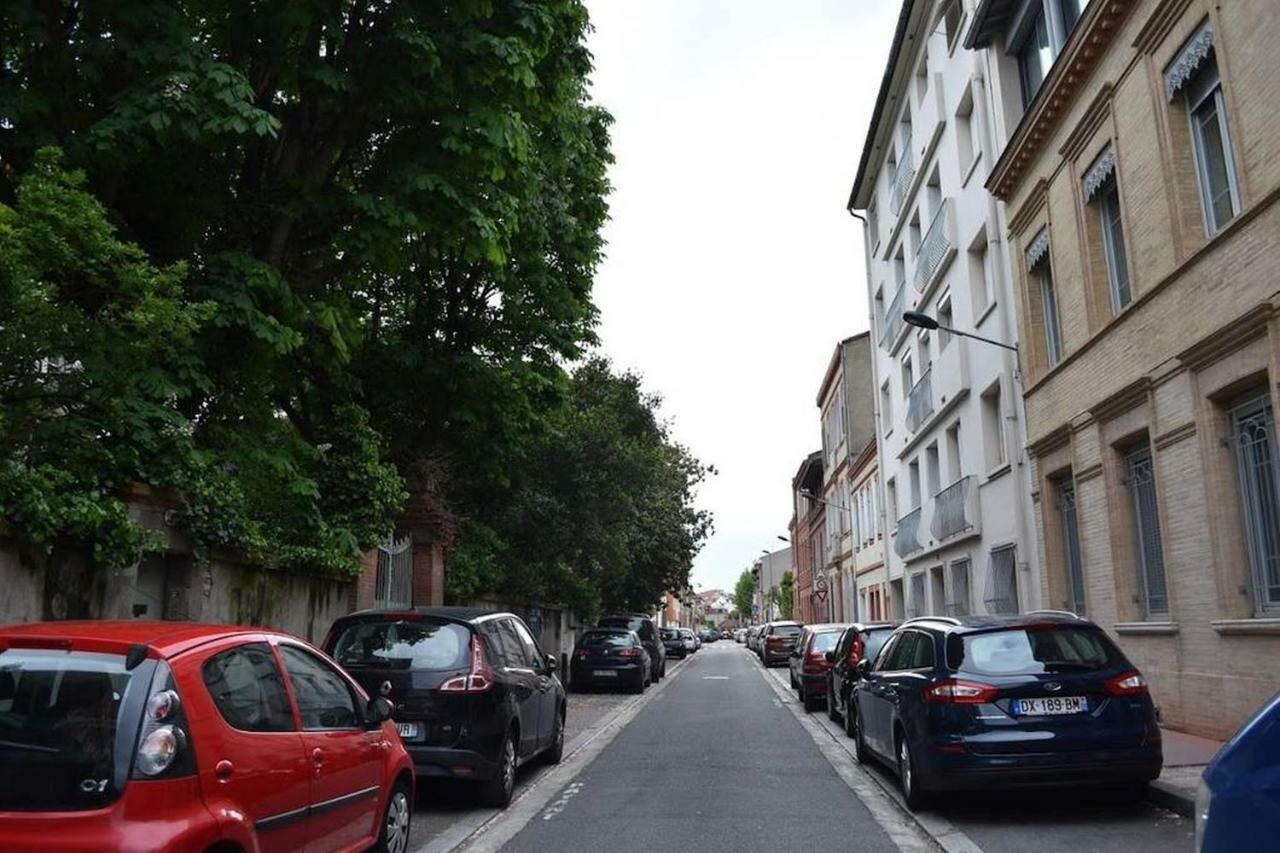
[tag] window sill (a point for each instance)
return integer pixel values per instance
(986, 312)
(997, 473)
(973, 167)
(1154, 628)
(1246, 627)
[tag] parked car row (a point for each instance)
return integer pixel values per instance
(1038, 699)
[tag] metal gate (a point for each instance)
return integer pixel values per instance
(393, 583)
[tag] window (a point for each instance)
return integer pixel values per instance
(324, 700)
(1035, 56)
(1146, 530)
(993, 427)
(966, 146)
(913, 478)
(246, 686)
(1253, 432)
(1034, 651)
(419, 644)
(958, 589)
(532, 654)
(891, 497)
(913, 236)
(951, 19)
(953, 453)
(1066, 488)
(922, 78)
(1211, 142)
(1107, 201)
(1002, 581)
(932, 469)
(886, 408)
(873, 227)
(1049, 305)
(908, 376)
(980, 275)
(946, 320)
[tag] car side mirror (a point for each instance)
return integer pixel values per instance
(861, 668)
(378, 711)
(552, 664)
(830, 656)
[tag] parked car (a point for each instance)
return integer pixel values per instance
(475, 696)
(1037, 699)
(753, 634)
(709, 636)
(1237, 807)
(740, 635)
(673, 642)
(808, 662)
(610, 656)
(859, 641)
(648, 634)
(776, 641)
(172, 736)
(691, 643)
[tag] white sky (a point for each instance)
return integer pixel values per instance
(732, 267)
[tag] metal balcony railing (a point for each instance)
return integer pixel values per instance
(920, 401)
(903, 175)
(933, 248)
(951, 512)
(893, 318)
(907, 539)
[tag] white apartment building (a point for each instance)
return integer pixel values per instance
(951, 435)
(768, 570)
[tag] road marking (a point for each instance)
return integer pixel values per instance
(558, 806)
(715, 678)
(911, 831)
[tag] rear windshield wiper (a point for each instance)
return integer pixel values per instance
(1068, 666)
(29, 747)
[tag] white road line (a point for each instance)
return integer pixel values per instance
(715, 678)
(911, 831)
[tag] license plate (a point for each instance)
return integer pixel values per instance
(1049, 706)
(408, 730)
(604, 673)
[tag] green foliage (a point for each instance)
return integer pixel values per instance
(600, 512)
(744, 593)
(787, 596)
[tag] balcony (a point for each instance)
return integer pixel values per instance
(920, 401)
(955, 510)
(893, 318)
(937, 248)
(903, 175)
(907, 538)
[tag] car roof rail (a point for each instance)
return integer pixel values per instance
(948, 619)
(1056, 613)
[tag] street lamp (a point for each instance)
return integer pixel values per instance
(782, 538)
(921, 320)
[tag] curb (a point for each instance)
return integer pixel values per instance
(1170, 797)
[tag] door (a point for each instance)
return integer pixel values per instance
(840, 674)
(548, 696)
(882, 693)
(252, 760)
(347, 761)
(913, 664)
(522, 680)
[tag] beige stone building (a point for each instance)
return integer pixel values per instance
(1141, 184)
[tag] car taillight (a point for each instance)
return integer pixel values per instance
(1129, 683)
(478, 679)
(162, 742)
(629, 653)
(774, 640)
(953, 691)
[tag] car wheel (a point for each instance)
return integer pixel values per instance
(791, 676)
(497, 791)
(831, 702)
(810, 701)
(908, 777)
(853, 728)
(662, 673)
(393, 837)
(555, 752)
(641, 681)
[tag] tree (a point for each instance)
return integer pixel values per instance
(786, 596)
(388, 215)
(600, 512)
(744, 593)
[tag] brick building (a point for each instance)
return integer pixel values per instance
(808, 543)
(1141, 183)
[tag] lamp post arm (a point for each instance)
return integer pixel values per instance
(1000, 344)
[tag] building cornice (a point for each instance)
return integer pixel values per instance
(1082, 52)
(1129, 397)
(1240, 332)
(1030, 210)
(1159, 24)
(1094, 115)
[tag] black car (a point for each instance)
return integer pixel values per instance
(1040, 699)
(776, 641)
(673, 642)
(474, 696)
(648, 634)
(858, 642)
(709, 636)
(611, 656)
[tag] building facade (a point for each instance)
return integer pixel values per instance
(848, 422)
(767, 571)
(1141, 184)
(870, 573)
(951, 434)
(808, 528)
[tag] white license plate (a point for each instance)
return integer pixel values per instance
(604, 673)
(407, 730)
(1049, 706)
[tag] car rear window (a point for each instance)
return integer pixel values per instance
(631, 623)
(413, 643)
(825, 641)
(785, 631)
(1032, 651)
(59, 713)
(670, 634)
(605, 640)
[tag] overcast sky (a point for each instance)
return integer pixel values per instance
(732, 268)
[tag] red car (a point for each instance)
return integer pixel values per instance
(809, 662)
(173, 736)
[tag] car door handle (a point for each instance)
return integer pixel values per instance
(317, 760)
(223, 770)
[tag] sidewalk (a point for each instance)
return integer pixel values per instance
(1185, 757)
